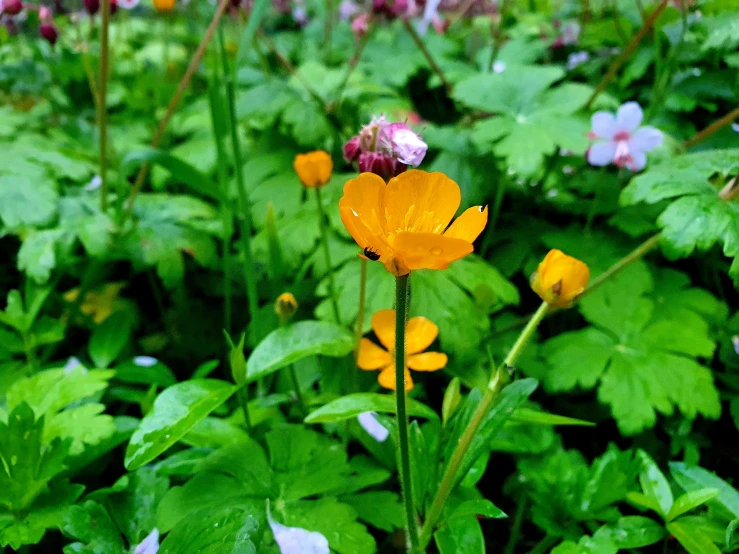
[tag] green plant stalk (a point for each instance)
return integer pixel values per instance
(429, 58)
(245, 215)
(328, 28)
(401, 309)
(243, 395)
(102, 100)
(494, 387)
(518, 518)
(298, 394)
(360, 319)
(327, 256)
(544, 545)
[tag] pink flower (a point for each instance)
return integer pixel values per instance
(380, 164)
(348, 9)
(351, 150)
(360, 25)
(403, 143)
(622, 141)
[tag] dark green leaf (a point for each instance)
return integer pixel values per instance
(352, 405)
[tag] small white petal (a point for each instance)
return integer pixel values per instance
(94, 184)
(637, 161)
(499, 67)
(646, 139)
(72, 364)
(369, 423)
(128, 4)
(430, 12)
(735, 127)
(145, 361)
(602, 153)
(150, 545)
(294, 540)
(735, 342)
(603, 124)
(629, 117)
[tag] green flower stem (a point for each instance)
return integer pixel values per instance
(429, 58)
(327, 256)
(245, 216)
(298, 393)
(401, 309)
(101, 105)
(360, 319)
(497, 382)
(243, 395)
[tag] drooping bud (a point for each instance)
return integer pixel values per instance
(360, 25)
(12, 7)
(45, 15)
(560, 278)
(314, 168)
(285, 306)
(399, 8)
(49, 32)
(351, 150)
(113, 7)
(164, 5)
(92, 6)
(380, 164)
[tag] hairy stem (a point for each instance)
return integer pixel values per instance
(102, 101)
(360, 318)
(429, 58)
(712, 128)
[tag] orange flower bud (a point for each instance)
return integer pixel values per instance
(286, 306)
(314, 168)
(164, 5)
(560, 278)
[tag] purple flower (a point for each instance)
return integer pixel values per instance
(347, 10)
(622, 141)
(150, 545)
(577, 58)
(403, 144)
(369, 423)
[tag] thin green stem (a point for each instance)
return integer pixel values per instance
(327, 256)
(360, 319)
(298, 393)
(518, 519)
(244, 401)
(102, 101)
(429, 58)
(496, 384)
(544, 545)
(244, 215)
(401, 310)
(497, 205)
(328, 29)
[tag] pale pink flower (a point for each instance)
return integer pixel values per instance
(403, 143)
(128, 4)
(360, 25)
(621, 140)
(347, 10)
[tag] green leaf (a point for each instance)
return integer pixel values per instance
(256, 14)
(134, 509)
(38, 253)
(26, 201)
(452, 398)
(294, 342)
(381, 509)
(692, 478)
(636, 532)
(481, 507)
(692, 538)
(176, 410)
(654, 483)
(600, 543)
(352, 405)
(85, 425)
(691, 500)
(91, 524)
(527, 415)
(461, 535)
(110, 338)
(227, 530)
(180, 170)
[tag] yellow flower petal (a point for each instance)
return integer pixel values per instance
(419, 334)
(560, 278)
(428, 361)
(469, 225)
(314, 168)
(383, 324)
(429, 250)
(387, 378)
(371, 356)
(420, 202)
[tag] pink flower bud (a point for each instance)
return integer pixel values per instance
(49, 32)
(12, 7)
(92, 6)
(113, 6)
(398, 8)
(380, 7)
(351, 150)
(380, 164)
(44, 14)
(360, 24)
(403, 143)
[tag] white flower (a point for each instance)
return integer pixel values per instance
(150, 545)
(403, 143)
(577, 58)
(622, 141)
(95, 183)
(430, 15)
(144, 361)
(735, 127)
(128, 4)
(735, 342)
(294, 540)
(499, 67)
(72, 364)
(369, 423)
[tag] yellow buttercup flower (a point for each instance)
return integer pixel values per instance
(419, 334)
(164, 5)
(314, 168)
(560, 278)
(99, 304)
(405, 223)
(286, 306)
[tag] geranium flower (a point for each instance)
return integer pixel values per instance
(402, 143)
(560, 278)
(405, 223)
(626, 144)
(419, 334)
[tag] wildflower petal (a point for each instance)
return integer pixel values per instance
(603, 124)
(629, 117)
(387, 378)
(419, 334)
(469, 225)
(383, 324)
(361, 208)
(420, 202)
(369, 423)
(637, 161)
(363, 234)
(150, 545)
(294, 540)
(429, 250)
(428, 361)
(645, 139)
(602, 153)
(371, 356)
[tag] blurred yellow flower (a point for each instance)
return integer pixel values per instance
(419, 334)
(560, 278)
(99, 304)
(164, 5)
(286, 306)
(405, 224)
(314, 168)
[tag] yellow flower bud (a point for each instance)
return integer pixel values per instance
(164, 5)
(560, 278)
(286, 306)
(314, 168)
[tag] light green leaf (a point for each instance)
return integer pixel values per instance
(227, 530)
(654, 483)
(636, 532)
(26, 201)
(527, 415)
(692, 538)
(691, 500)
(176, 410)
(352, 405)
(294, 342)
(110, 338)
(461, 535)
(692, 478)
(381, 509)
(480, 507)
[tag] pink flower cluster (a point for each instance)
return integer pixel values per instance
(384, 148)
